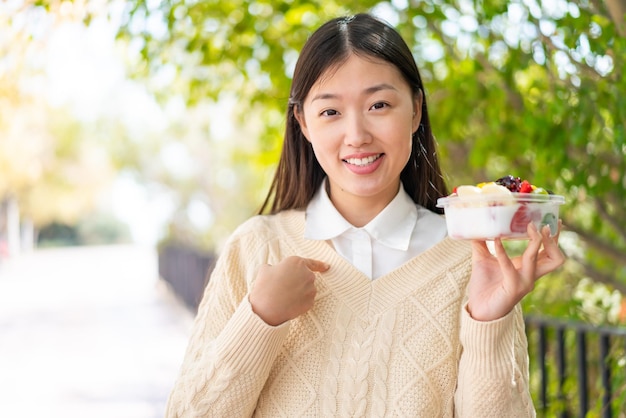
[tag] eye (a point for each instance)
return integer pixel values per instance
(379, 105)
(329, 112)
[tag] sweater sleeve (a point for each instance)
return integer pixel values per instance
(231, 350)
(493, 376)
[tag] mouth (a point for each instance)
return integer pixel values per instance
(361, 162)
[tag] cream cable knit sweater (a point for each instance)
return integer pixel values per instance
(399, 346)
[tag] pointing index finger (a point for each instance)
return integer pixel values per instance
(316, 265)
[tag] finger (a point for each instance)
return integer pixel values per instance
(536, 236)
(529, 257)
(550, 243)
(506, 265)
(556, 236)
(536, 239)
(263, 268)
(316, 265)
(480, 250)
(551, 257)
(558, 230)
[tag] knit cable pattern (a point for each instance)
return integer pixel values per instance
(355, 375)
(397, 346)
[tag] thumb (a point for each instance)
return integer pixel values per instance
(316, 265)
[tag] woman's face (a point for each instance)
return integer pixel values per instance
(359, 118)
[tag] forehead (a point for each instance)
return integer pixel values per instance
(359, 71)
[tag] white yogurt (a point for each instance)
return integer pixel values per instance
(487, 217)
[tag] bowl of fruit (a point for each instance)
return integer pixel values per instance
(499, 209)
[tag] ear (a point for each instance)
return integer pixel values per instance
(299, 115)
(418, 99)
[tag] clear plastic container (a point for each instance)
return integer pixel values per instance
(490, 216)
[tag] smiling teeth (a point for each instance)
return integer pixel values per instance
(363, 161)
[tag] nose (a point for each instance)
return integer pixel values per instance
(356, 131)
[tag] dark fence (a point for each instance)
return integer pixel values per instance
(186, 271)
(576, 369)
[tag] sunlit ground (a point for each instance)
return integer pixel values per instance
(88, 332)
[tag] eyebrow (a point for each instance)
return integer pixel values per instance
(367, 91)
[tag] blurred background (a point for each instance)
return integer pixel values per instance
(136, 135)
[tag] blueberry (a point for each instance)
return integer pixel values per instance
(510, 182)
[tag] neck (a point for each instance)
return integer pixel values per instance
(359, 210)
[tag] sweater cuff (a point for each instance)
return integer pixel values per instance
(249, 344)
(488, 346)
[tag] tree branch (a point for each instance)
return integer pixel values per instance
(587, 70)
(610, 219)
(597, 7)
(597, 243)
(617, 11)
(514, 97)
(600, 277)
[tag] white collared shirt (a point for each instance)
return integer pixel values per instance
(398, 233)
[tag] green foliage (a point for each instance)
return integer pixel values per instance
(57, 235)
(532, 89)
(52, 164)
(93, 229)
(101, 229)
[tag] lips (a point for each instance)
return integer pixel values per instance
(361, 162)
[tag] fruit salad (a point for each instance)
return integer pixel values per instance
(499, 209)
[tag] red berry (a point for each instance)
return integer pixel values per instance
(522, 218)
(525, 187)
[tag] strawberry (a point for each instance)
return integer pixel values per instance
(522, 218)
(525, 187)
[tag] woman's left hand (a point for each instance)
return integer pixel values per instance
(498, 282)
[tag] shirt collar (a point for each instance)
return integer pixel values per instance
(392, 227)
(323, 221)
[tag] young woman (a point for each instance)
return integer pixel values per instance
(348, 299)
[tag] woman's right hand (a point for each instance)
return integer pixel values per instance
(286, 290)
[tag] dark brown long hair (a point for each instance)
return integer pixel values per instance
(299, 175)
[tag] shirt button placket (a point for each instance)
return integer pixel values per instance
(362, 252)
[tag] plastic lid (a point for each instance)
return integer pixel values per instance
(442, 202)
